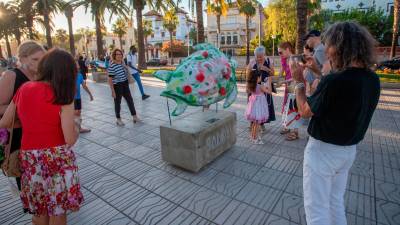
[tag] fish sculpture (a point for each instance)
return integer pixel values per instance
(205, 77)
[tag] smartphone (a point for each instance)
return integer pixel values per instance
(298, 58)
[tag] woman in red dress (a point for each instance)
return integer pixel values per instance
(49, 182)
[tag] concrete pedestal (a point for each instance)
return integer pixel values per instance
(100, 77)
(196, 140)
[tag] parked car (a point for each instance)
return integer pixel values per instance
(157, 62)
(393, 64)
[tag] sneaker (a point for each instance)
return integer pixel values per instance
(144, 97)
(120, 123)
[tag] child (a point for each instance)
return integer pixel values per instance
(78, 102)
(257, 107)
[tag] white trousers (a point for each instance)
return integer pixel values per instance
(325, 172)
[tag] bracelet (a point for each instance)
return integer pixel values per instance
(299, 86)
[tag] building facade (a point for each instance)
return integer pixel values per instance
(233, 29)
(161, 35)
(87, 45)
(341, 5)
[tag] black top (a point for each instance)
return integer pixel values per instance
(265, 74)
(20, 79)
(83, 68)
(343, 105)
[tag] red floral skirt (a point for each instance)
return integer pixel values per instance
(49, 181)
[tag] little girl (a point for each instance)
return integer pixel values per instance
(257, 108)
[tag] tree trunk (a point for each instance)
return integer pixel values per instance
(247, 40)
(99, 36)
(301, 9)
(120, 42)
(141, 49)
(46, 18)
(170, 47)
(29, 24)
(1, 53)
(71, 36)
(218, 30)
(200, 25)
(9, 53)
(18, 36)
(147, 52)
(396, 15)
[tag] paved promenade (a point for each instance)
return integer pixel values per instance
(125, 181)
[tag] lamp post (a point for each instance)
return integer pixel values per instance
(260, 24)
(273, 45)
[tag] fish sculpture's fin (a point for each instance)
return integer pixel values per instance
(164, 75)
(180, 107)
(231, 97)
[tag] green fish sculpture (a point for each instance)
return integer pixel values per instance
(205, 77)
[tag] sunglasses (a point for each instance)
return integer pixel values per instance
(118, 54)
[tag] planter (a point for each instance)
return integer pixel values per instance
(100, 77)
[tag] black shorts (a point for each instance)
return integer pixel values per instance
(78, 104)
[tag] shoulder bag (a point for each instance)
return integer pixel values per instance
(11, 165)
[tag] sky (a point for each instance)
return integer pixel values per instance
(84, 19)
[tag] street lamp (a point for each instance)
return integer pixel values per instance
(273, 45)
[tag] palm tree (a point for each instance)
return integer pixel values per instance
(200, 24)
(248, 9)
(46, 9)
(395, 27)
(147, 31)
(218, 8)
(6, 25)
(138, 5)
(98, 8)
(301, 9)
(18, 21)
(119, 28)
(61, 36)
(69, 13)
(30, 14)
(87, 34)
(170, 22)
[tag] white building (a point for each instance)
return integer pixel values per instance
(233, 29)
(341, 5)
(87, 45)
(160, 35)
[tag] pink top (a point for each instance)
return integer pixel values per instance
(285, 67)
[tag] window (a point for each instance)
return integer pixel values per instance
(222, 40)
(229, 40)
(162, 34)
(152, 35)
(123, 42)
(113, 41)
(235, 39)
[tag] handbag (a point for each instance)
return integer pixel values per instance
(11, 165)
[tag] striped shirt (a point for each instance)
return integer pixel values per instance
(117, 72)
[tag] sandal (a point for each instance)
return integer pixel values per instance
(284, 131)
(292, 136)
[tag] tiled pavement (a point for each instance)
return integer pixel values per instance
(125, 181)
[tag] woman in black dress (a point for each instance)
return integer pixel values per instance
(29, 55)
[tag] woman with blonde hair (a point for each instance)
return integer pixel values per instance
(29, 54)
(49, 182)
